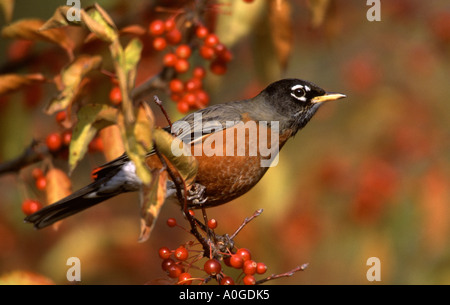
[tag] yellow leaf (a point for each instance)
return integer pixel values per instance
(30, 29)
(152, 199)
(71, 79)
(112, 142)
(21, 277)
(318, 9)
(281, 29)
(58, 186)
(7, 8)
(12, 82)
(91, 118)
(97, 24)
(177, 154)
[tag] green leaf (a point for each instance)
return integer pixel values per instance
(71, 79)
(91, 118)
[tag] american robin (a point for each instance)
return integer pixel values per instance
(228, 166)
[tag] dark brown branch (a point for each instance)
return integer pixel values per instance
(32, 154)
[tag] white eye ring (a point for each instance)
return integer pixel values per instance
(299, 93)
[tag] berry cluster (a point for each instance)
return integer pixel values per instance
(178, 262)
(188, 93)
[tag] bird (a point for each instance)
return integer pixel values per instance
(284, 106)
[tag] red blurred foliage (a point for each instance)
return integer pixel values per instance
(376, 184)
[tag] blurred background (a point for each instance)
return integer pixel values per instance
(368, 177)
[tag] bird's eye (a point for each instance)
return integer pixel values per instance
(299, 93)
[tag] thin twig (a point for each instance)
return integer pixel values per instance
(159, 103)
(32, 154)
(246, 221)
(286, 274)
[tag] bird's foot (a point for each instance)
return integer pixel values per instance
(197, 194)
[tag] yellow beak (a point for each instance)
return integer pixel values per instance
(327, 97)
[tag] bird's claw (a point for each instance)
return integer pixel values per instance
(196, 194)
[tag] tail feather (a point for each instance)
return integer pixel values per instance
(72, 204)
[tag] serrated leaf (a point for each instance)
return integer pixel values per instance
(177, 154)
(13, 82)
(98, 25)
(71, 79)
(152, 200)
(91, 118)
(7, 7)
(30, 29)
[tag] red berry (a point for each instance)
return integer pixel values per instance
(61, 116)
(37, 173)
(249, 280)
(249, 267)
(176, 85)
(218, 67)
(167, 263)
(199, 72)
(244, 254)
(226, 280)
(211, 40)
(183, 107)
(202, 99)
(174, 36)
(41, 183)
(159, 43)
(189, 99)
(169, 24)
(193, 85)
(169, 60)
(206, 52)
(223, 53)
(261, 268)
(183, 51)
(54, 141)
(115, 96)
(30, 206)
(181, 253)
(212, 267)
(171, 222)
(66, 137)
(96, 145)
(175, 270)
(236, 261)
(182, 65)
(212, 224)
(191, 212)
(184, 279)
(157, 28)
(201, 32)
(164, 253)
